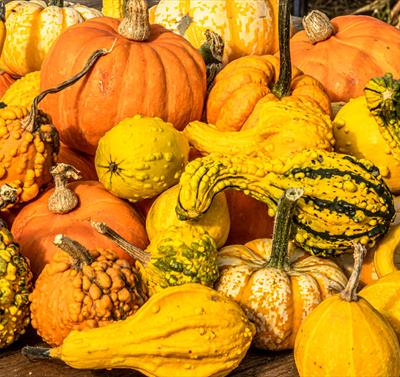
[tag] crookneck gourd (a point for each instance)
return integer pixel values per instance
(276, 291)
(190, 330)
(15, 287)
(82, 289)
(345, 200)
(178, 255)
(368, 127)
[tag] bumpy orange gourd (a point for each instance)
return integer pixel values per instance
(276, 290)
(81, 289)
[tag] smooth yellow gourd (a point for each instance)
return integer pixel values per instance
(184, 331)
(387, 252)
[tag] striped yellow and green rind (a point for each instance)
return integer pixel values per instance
(383, 100)
(345, 200)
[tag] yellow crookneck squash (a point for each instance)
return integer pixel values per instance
(190, 331)
(345, 336)
(276, 291)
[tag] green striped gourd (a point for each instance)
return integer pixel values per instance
(345, 200)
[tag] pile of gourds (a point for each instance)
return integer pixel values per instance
(222, 197)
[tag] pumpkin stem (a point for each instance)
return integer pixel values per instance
(8, 195)
(36, 352)
(134, 251)
(136, 24)
(78, 253)
(317, 26)
(282, 87)
(57, 3)
(29, 122)
(349, 294)
(63, 200)
(282, 228)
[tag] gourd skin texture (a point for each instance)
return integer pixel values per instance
(246, 27)
(346, 339)
(345, 200)
(23, 91)
(5, 81)
(243, 83)
(276, 301)
(162, 215)
(15, 286)
(190, 331)
(141, 157)
(26, 44)
(113, 8)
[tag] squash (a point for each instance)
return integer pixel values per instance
(190, 330)
(347, 337)
(162, 215)
(344, 60)
(383, 295)
(246, 28)
(2, 25)
(82, 162)
(168, 74)
(15, 287)
(36, 224)
(81, 289)
(141, 157)
(277, 293)
(5, 81)
(345, 199)
(178, 255)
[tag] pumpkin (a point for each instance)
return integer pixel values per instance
(189, 330)
(345, 199)
(178, 255)
(276, 293)
(32, 27)
(246, 28)
(5, 81)
(162, 215)
(81, 289)
(36, 224)
(15, 287)
(346, 52)
(141, 157)
(172, 88)
(347, 337)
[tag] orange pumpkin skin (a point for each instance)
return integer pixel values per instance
(5, 81)
(363, 47)
(84, 163)
(35, 226)
(162, 77)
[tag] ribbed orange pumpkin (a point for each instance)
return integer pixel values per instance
(361, 48)
(5, 81)
(150, 71)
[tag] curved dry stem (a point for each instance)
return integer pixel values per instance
(78, 253)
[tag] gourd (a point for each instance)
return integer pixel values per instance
(5, 81)
(15, 287)
(178, 255)
(162, 215)
(189, 330)
(346, 52)
(277, 291)
(2, 25)
(141, 157)
(23, 91)
(67, 209)
(244, 86)
(32, 27)
(168, 74)
(81, 289)
(383, 296)
(367, 126)
(345, 200)
(249, 28)
(346, 336)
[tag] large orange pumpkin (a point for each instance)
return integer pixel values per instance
(150, 71)
(5, 81)
(361, 48)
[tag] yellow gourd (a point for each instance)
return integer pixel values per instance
(23, 91)
(189, 331)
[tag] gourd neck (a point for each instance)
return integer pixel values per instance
(63, 199)
(317, 26)
(57, 3)
(282, 229)
(282, 87)
(135, 252)
(136, 24)
(349, 294)
(75, 250)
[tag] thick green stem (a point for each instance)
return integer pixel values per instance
(78, 253)
(282, 86)
(282, 228)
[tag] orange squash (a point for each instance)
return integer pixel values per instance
(5, 81)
